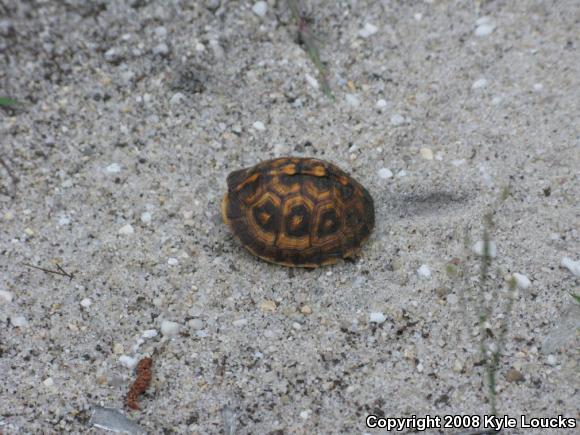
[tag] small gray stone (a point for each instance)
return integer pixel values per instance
(484, 29)
(113, 55)
(6, 28)
(478, 84)
(18, 321)
(161, 32)
(161, 50)
(397, 119)
(452, 299)
(212, 5)
(177, 98)
(196, 324)
(352, 100)
(368, 30)
(260, 8)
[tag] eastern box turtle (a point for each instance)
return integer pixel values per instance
(298, 212)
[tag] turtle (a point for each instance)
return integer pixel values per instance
(298, 211)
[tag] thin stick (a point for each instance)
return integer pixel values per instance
(13, 177)
(60, 270)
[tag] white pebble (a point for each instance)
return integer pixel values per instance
(172, 261)
(426, 153)
(452, 299)
(63, 221)
(212, 5)
(522, 281)
(176, 99)
(352, 100)
(368, 30)
(551, 360)
(384, 173)
(304, 415)
(240, 322)
(137, 344)
(260, 8)
(128, 361)
(160, 32)
(6, 296)
(146, 217)
(196, 324)
(397, 119)
(48, 383)
(113, 168)
(127, 77)
(126, 230)
(420, 368)
(484, 29)
(296, 326)
(458, 162)
(377, 317)
(457, 366)
(418, 16)
(149, 333)
(478, 84)
(424, 271)
(478, 248)
(112, 55)
(312, 81)
(538, 87)
(571, 265)
(259, 125)
(18, 321)
(402, 173)
(86, 302)
(169, 328)
(161, 49)
(381, 104)
(496, 100)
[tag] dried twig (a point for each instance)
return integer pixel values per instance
(141, 383)
(60, 271)
(13, 177)
(492, 352)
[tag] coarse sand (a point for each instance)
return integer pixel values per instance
(460, 117)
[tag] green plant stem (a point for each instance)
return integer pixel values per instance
(308, 38)
(9, 102)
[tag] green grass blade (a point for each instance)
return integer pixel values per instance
(9, 102)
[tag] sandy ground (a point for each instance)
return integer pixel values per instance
(133, 114)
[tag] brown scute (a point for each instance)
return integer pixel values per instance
(298, 212)
(235, 178)
(298, 221)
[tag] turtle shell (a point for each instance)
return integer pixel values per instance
(298, 212)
